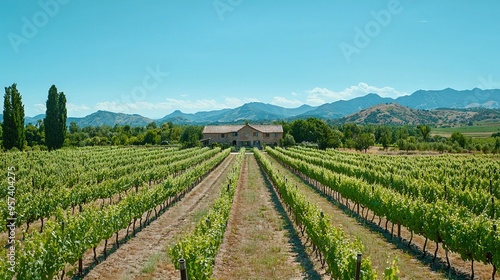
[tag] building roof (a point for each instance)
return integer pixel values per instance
(236, 128)
(222, 128)
(268, 128)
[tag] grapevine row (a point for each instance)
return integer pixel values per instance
(474, 172)
(201, 247)
(43, 255)
(33, 205)
(452, 226)
(477, 201)
(339, 253)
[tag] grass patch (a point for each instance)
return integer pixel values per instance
(200, 214)
(478, 130)
(151, 264)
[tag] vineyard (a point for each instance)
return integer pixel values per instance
(75, 211)
(450, 200)
(148, 182)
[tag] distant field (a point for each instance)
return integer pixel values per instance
(478, 130)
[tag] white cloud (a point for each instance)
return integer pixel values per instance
(170, 104)
(233, 102)
(189, 104)
(72, 109)
(283, 102)
(40, 108)
(318, 96)
(76, 108)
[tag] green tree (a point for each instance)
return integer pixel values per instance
(425, 130)
(165, 133)
(403, 133)
(364, 141)
(73, 128)
(13, 119)
(152, 137)
(314, 130)
(350, 130)
(384, 136)
(127, 130)
(288, 141)
(459, 138)
(151, 125)
(299, 129)
(191, 136)
(33, 136)
(55, 119)
(329, 138)
(62, 116)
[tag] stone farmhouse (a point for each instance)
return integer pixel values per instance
(243, 135)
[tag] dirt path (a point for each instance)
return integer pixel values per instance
(376, 245)
(144, 256)
(258, 241)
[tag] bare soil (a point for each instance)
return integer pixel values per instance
(144, 256)
(259, 242)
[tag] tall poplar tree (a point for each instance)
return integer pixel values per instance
(55, 119)
(62, 115)
(13, 119)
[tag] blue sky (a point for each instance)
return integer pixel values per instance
(153, 57)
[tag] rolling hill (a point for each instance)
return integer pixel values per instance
(396, 114)
(109, 118)
(342, 108)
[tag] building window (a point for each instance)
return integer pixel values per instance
(222, 135)
(276, 135)
(255, 134)
(235, 134)
(267, 135)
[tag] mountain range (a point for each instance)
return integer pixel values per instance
(262, 113)
(395, 114)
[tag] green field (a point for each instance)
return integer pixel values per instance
(478, 130)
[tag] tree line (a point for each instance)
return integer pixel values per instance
(52, 132)
(316, 132)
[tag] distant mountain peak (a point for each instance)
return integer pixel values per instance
(396, 114)
(266, 113)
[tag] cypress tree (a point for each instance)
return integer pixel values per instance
(62, 116)
(18, 114)
(13, 119)
(7, 126)
(50, 120)
(55, 119)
